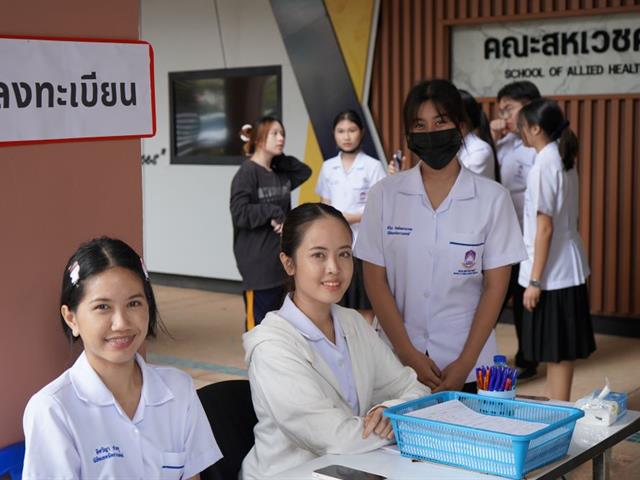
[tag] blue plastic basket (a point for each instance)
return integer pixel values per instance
(503, 454)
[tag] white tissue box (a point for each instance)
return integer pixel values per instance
(600, 412)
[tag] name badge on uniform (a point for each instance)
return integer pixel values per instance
(396, 230)
(106, 452)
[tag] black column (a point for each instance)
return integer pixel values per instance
(319, 67)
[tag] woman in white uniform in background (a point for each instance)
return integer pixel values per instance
(320, 375)
(438, 243)
(516, 160)
(112, 415)
(557, 323)
(344, 183)
(478, 152)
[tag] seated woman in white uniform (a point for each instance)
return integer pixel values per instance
(111, 415)
(438, 242)
(320, 375)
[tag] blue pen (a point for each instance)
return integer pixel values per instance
(515, 379)
(492, 381)
(506, 373)
(500, 379)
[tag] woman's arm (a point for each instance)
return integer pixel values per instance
(495, 284)
(297, 171)
(385, 308)
(542, 243)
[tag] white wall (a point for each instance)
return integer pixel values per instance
(186, 220)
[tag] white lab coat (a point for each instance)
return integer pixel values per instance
(301, 411)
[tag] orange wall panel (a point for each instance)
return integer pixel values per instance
(52, 197)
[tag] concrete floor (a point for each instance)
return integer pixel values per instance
(204, 340)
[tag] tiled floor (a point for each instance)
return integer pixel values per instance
(205, 340)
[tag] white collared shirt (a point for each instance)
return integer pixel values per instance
(348, 191)
(74, 428)
(555, 192)
(515, 161)
(335, 356)
(434, 259)
(477, 156)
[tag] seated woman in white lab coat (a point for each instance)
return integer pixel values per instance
(320, 376)
(111, 415)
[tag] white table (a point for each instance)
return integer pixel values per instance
(587, 443)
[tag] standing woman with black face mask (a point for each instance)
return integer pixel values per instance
(438, 243)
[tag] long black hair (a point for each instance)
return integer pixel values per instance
(95, 257)
(547, 114)
(479, 124)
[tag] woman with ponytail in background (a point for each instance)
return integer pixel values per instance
(260, 199)
(478, 152)
(556, 324)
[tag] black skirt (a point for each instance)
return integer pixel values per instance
(560, 326)
(355, 296)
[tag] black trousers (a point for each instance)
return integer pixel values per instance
(258, 303)
(516, 292)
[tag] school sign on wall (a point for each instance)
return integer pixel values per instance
(70, 89)
(564, 56)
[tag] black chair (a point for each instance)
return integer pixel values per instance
(230, 412)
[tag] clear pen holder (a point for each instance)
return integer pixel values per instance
(508, 394)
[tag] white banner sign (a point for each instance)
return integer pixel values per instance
(564, 56)
(61, 90)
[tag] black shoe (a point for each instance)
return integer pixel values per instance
(526, 372)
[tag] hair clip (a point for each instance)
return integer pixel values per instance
(245, 131)
(74, 273)
(144, 269)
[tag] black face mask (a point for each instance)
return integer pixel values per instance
(436, 149)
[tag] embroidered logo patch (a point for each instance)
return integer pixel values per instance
(469, 259)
